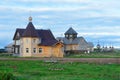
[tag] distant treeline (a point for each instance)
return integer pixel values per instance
(2, 51)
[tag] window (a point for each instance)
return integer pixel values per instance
(34, 40)
(40, 50)
(71, 36)
(39, 40)
(26, 40)
(34, 50)
(27, 50)
(66, 35)
(17, 42)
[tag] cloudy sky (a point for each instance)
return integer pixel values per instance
(95, 20)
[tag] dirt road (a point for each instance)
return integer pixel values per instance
(89, 60)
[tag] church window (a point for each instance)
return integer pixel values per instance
(40, 50)
(34, 50)
(66, 35)
(34, 40)
(27, 50)
(71, 36)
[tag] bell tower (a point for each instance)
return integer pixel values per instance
(70, 34)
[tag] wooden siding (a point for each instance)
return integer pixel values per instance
(47, 51)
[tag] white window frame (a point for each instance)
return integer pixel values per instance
(27, 50)
(40, 50)
(34, 50)
(34, 40)
(71, 35)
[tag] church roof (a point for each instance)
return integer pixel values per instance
(45, 36)
(70, 31)
(78, 40)
(91, 44)
(30, 31)
(84, 45)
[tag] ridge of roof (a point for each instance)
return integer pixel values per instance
(70, 31)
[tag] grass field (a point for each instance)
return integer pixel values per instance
(115, 54)
(38, 70)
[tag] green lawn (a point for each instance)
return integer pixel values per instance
(38, 70)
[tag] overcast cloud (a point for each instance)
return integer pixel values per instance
(93, 19)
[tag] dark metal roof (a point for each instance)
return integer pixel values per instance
(83, 44)
(78, 40)
(30, 31)
(70, 31)
(46, 36)
(20, 31)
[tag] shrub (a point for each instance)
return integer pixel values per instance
(7, 76)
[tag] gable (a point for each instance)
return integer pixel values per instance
(18, 34)
(59, 44)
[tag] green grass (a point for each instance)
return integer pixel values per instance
(6, 55)
(115, 54)
(38, 70)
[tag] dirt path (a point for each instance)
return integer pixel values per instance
(89, 60)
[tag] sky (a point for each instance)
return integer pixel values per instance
(95, 20)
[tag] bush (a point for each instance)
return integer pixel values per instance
(7, 76)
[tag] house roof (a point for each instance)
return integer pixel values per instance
(20, 31)
(45, 36)
(91, 44)
(77, 41)
(30, 31)
(70, 31)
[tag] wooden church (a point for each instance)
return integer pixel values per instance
(31, 42)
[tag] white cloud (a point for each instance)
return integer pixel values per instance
(61, 13)
(58, 1)
(97, 29)
(6, 35)
(114, 40)
(38, 26)
(99, 34)
(90, 10)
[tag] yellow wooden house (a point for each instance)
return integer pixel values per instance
(31, 42)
